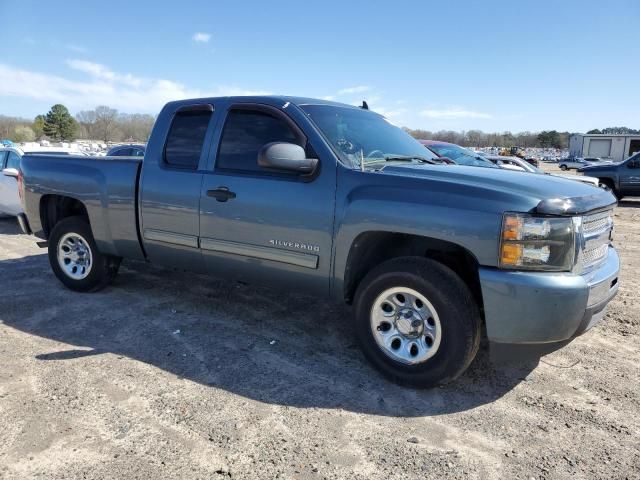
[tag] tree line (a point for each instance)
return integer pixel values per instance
(102, 123)
(478, 138)
(106, 124)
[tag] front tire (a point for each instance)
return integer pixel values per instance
(75, 259)
(417, 322)
(564, 168)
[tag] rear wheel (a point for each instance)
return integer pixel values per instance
(75, 259)
(417, 322)
(564, 168)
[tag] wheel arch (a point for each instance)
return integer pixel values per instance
(371, 248)
(54, 208)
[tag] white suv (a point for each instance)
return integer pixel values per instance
(576, 163)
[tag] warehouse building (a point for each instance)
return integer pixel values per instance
(614, 147)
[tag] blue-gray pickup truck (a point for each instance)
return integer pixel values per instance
(622, 178)
(330, 199)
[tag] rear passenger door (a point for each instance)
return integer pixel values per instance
(269, 227)
(170, 189)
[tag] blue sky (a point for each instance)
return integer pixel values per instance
(490, 65)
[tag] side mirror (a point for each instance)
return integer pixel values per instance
(633, 164)
(286, 156)
(11, 172)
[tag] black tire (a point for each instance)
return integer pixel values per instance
(458, 312)
(103, 267)
(564, 168)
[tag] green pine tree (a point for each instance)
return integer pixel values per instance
(59, 124)
(38, 126)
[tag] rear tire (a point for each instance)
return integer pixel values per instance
(564, 168)
(427, 337)
(76, 260)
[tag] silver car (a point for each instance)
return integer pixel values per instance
(576, 163)
(514, 163)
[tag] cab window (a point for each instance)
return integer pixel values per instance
(245, 133)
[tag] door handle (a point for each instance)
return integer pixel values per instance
(221, 194)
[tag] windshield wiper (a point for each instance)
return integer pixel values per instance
(407, 158)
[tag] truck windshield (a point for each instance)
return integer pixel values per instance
(358, 134)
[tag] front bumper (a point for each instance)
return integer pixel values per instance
(540, 307)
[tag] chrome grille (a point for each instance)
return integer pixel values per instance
(596, 236)
(598, 222)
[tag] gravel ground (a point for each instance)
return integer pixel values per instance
(167, 375)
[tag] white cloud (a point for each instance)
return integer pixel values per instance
(103, 73)
(76, 48)
(104, 87)
(356, 89)
(201, 37)
(390, 113)
(453, 114)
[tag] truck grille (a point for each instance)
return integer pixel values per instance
(596, 235)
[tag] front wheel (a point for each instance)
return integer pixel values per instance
(417, 322)
(75, 259)
(564, 168)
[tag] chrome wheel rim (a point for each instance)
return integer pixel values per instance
(405, 325)
(74, 256)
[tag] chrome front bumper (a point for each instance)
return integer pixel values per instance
(537, 307)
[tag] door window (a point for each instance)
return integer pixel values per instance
(245, 133)
(3, 157)
(186, 138)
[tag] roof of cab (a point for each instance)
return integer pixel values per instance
(261, 98)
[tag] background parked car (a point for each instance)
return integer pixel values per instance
(459, 155)
(10, 157)
(576, 163)
(622, 178)
(514, 163)
(126, 151)
(9, 198)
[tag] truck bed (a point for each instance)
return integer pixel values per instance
(106, 186)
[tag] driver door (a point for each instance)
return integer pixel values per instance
(261, 226)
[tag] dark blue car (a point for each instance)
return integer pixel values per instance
(127, 151)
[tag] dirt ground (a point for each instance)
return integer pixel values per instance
(167, 375)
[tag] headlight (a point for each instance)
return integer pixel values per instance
(537, 243)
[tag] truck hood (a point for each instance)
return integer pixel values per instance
(599, 168)
(550, 195)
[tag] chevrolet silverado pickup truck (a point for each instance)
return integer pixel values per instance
(329, 199)
(622, 178)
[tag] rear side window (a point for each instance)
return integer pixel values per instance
(13, 161)
(245, 133)
(185, 139)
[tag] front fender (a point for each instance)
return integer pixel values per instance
(440, 217)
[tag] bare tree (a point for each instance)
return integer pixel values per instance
(87, 121)
(106, 123)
